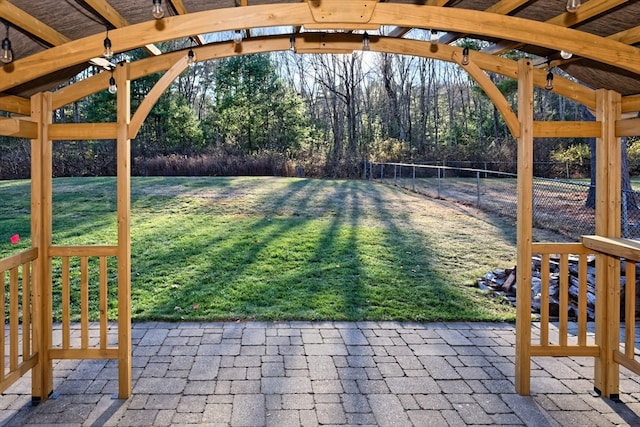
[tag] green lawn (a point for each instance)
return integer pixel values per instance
(282, 248)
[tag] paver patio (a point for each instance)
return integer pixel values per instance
(324, 373)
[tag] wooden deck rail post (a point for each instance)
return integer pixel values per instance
(41, 231)
(524, 226)
(121, 75)
(607, 217)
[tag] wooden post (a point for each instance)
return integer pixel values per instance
(524, 227)
(121, 75)
(41, 231)
(608, 201)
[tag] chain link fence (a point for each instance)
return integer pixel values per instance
(558, 205)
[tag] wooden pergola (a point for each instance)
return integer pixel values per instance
(53, 41)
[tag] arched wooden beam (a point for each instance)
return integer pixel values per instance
(492, 92)
(293, 14)
(154, 94)
(323, 43)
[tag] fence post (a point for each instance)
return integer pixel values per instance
(478, 186)
(364, 170)
(395, 174)
(439, 173)
(370, 171)
(567, 167)
(381, 172)
(413, 179)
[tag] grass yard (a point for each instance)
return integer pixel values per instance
(282, 248)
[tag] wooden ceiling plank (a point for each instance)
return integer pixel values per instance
(108, 12)
(179, 6)
(29, 24)
(587, 11)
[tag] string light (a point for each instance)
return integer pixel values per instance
(157, 11)
(565, 55)
(292, 43)
(433, 38)
(365, 41)
(465, 56)
(113, 88)
(191, 57)
(7, 53)
(549, 85)
(573, 5)
(237, 37)
(108, 51)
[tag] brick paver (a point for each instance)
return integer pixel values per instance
(324, 373)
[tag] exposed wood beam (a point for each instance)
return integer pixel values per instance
(629, 127)
(603, 50)
(73, 131)
(19, 128)
(503, 7)
(401, 31)
(567, 129)
(104, 9)
(179, 6)
(492, 92)
(15, 104)
(31, 25)
(324, 44)
(587, 11)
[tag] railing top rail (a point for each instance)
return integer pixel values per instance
(18, 259)
(417, 165)
(83, 251)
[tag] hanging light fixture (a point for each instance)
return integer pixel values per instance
(433, 38)
(365, 41)
(157, 11)
(108, 51)
(549, 85)
(237, 37)
(573, 5)
(191, 57)
(565, 55)
(7, 54)
(465, 56)
(113, 88)
(292, 43)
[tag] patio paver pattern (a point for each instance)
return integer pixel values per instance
(324, 373)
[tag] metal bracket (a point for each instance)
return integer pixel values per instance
(341, 13)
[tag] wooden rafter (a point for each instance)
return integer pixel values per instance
(179, 6)
(27, 23)
(503, 7)
(587, 11)
(104, 9)
(401, 31)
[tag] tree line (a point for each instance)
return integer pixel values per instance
(326, 114)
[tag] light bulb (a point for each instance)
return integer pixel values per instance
(365, 41)
(237, 37)
(156, 10)
(108, 52)
(433, 38)
(7, 54)
(191, 57)
(113, 88)
(549, 85)
(465, 56)
(573, 5)
(565, 55)
(292, 43)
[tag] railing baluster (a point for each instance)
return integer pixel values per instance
(564, 298)
(630, 309)
(26, 311)
(104, 307)
(544, 300)
(66, 301)
(14, 320)
(582, 300)
(84, 302)
(4, 329)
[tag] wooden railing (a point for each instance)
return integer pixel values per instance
(567, 341)
(78, 293)
(16, 305)
(628, 251)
